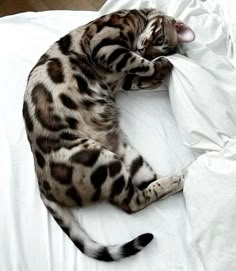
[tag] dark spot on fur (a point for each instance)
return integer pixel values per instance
(113, 22)
(99, 176)
(74, 195)
(87, 103)
(68, 136)
(55, 70)
(40, 159)
(61, 173)
(27, 118)
(82, 63)
(136, 165)
(128, 82)
(47, 144)
(122, 63)
(130, 193)
(68, 102)
(51, 197)
(107, 42)
(114, 168)
(78, 244)
(40, 94)
(64, 44)
(72, 122)
(132, 59)
(59, 220)
(116, 54)
(82, 85)
(117, 186)
(52, 212)
(86, 157)
(102, 58)
(145, 184)
(139, 69)
(104, 255)
(82, 141)
(46, 185)
(44, 110)
(65, 229)
(104, 86)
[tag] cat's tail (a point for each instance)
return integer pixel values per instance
(85, 244)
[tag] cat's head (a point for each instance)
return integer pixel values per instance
(161, 36)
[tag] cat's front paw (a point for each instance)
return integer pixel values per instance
(163, 65)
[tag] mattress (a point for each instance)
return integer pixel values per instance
(188, 122)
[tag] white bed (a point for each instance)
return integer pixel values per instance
(194, 123)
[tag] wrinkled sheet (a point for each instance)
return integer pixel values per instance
(193, 123)
(202, 90)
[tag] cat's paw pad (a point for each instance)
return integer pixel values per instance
(162, 67)
(163, 62)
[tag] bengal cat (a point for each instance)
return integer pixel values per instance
(72, 121)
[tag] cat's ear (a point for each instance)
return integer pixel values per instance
(184, 32)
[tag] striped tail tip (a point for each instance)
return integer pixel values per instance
(136, 245)
(115, 253)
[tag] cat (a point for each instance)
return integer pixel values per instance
(72, 121)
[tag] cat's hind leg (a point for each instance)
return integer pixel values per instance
(77, 176)
(158, 189)
(144, 186)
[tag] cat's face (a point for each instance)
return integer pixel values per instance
(162, 35)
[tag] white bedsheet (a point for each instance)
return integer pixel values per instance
(194, 235)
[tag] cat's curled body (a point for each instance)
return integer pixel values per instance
(72, 121)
